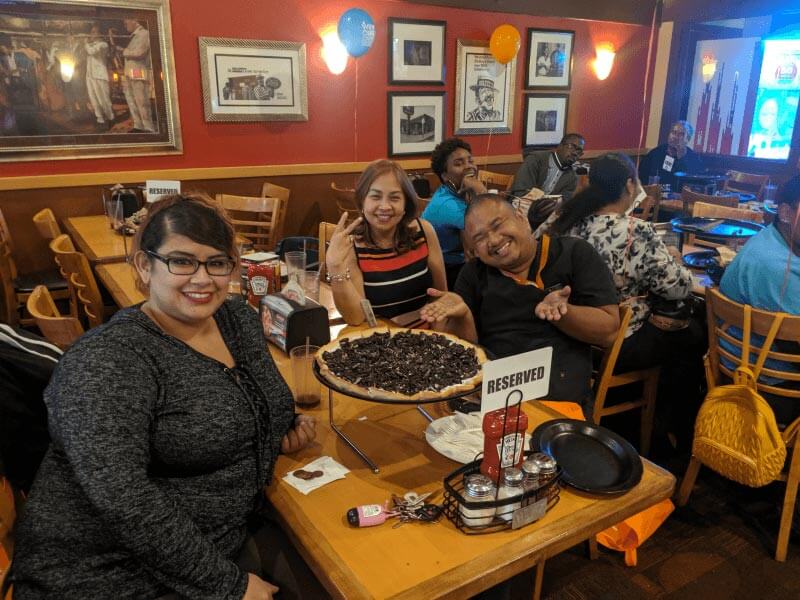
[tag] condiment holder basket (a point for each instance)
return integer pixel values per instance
(454, 498)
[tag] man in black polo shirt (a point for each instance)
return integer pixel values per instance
(520, 295)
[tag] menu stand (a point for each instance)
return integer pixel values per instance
(343, 436)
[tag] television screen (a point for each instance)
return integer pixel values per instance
(776, 100)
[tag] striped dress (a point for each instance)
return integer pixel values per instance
(396, 283)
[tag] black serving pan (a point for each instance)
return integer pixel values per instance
(593, 458)
(716, 229)
(702, 259)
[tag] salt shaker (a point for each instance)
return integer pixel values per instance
(530, 472)
(547, 472)
(477, 488)
(511, 487)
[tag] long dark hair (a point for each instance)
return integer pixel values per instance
(403, 234)
(608, 176)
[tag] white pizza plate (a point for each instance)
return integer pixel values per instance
(459, 436)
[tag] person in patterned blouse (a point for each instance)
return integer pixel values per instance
(644, 270)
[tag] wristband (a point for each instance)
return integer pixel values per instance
(338, 277)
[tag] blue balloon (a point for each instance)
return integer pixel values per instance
(357, 31)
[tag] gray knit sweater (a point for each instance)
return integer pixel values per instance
(159, 454)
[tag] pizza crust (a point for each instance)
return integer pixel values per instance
(346, 386)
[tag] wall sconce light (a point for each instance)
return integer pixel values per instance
(333, 51)
(67, 67)
(709, 67)
(604, 60)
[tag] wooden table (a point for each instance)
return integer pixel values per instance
(422, 560)
(93, 236)
(120, 282)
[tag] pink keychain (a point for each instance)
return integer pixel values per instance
(368, 515)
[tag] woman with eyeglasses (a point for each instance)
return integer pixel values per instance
(166, 423)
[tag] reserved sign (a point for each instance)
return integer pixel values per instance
(155, 189)
(528, 373)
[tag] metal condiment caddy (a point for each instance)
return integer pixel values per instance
(471, 516)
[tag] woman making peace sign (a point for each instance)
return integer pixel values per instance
(387, 255)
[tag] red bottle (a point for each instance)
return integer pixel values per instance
(503, 440)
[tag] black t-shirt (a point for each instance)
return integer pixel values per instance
(654, 161)
(506, 323)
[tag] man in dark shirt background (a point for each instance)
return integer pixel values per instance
(673, 157)
(521, 294)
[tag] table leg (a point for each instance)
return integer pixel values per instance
(346, 439)
(425, 413)
(537, 581)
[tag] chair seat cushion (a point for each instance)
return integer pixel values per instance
(51, 279)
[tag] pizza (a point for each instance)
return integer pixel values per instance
(401, 364)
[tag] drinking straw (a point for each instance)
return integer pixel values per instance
(307, 344)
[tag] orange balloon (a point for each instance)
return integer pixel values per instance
(504, 43)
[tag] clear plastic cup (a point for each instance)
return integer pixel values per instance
(311, 285)
(295, 266)
(305, 386)
(653, 180)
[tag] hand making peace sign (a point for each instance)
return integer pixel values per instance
(340, 251)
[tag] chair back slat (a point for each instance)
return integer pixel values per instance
(703, 209)
(325, 232)
(501, 181)
(271, 190)
(253, 217)
(9, 312)
(76, 267)
(689, 197)
(724, 313)
(46, 224)
(750, 183)
(61, 331)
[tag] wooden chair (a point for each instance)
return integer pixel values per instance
(724, 313)
(60, 330)
(702, 209)
(607, 379)
(653, 200)
(254, 218)
(688, 197)
(76, 267)
(325, 232)
(23, 284)
(46, 223)
(501, 181)
(9, 303)
(748, 183)
(345, 201)
(271, 190)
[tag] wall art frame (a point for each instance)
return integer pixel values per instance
(415, 121)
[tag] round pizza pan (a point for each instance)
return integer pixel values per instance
(383, 399)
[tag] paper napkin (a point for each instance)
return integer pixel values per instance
(331, 470)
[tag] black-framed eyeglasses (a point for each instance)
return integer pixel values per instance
(183, 265)
(578, 149)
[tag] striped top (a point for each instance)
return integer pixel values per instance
(396, 283)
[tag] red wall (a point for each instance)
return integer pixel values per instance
(607, 112)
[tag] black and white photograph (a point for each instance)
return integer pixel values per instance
(545, 119)
(80, 80)
(253, 80)
(484, 90)
(549, 59)
(416, 122)
(416, 51)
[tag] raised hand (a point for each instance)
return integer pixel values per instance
(554, 305)
(445, 305)
(340, 253)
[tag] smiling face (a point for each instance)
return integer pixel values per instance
(499, 235)
(485, 98)
(677, 140)
(187, 299)
(384, 204)
(459, 163)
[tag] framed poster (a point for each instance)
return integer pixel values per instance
(549, 61)
(416, 52)
(87, 79)
(545, 119)
(484, 90)
(416, 122)
(253, 80)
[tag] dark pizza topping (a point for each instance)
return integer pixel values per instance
(406, 363)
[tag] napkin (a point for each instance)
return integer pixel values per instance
(331, 470)
(726, 255)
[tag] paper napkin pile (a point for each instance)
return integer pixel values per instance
(331, 470)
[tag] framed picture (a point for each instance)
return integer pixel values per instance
(545, 119)
(416, 122)
(416, 52)
(549, 58)
(253, 80)
(85, 79)
(484, 90)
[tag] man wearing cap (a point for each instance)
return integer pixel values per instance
(484, 97)
(550, 170)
